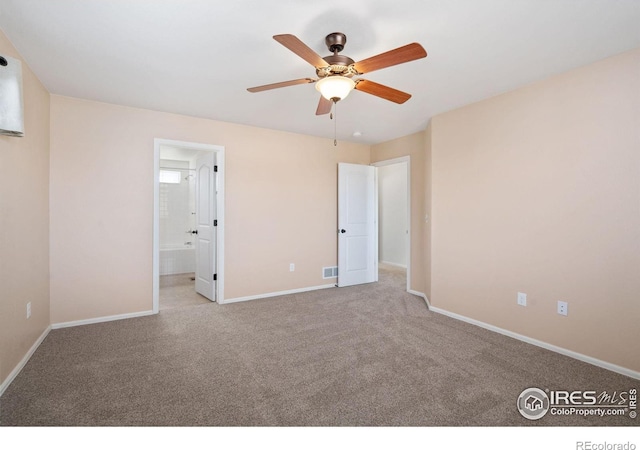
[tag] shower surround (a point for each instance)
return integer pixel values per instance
(177, 217)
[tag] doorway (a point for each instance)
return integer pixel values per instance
(182, 251)
(394, 216)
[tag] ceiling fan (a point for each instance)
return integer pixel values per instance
(336, 72)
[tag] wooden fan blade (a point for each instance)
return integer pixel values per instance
(382, 91)
(400, 55)
(266, 87)
(300, 48)
(324, 106)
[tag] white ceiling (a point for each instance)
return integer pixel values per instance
(197, 57)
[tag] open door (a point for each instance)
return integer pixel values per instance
(357, 238)
(206, 225)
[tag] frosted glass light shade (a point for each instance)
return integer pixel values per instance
(335, 87)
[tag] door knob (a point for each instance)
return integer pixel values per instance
(342, 230)
(194, 232)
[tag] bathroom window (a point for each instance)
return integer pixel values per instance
(170, 176)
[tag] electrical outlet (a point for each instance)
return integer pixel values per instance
(563, 308)
(522, 299)
(292, 267)
(28, 310)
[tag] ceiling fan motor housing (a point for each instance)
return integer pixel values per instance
(337, 65)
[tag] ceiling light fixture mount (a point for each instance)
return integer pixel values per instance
(335, 42)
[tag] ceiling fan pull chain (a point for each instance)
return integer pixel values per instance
(335, 124)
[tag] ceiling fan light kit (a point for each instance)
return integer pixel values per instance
(335, 88)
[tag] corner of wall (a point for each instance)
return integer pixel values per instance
(427, 210)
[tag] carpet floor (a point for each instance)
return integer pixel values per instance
(370, 355)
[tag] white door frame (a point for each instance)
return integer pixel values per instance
(388, 162)
(219, 150)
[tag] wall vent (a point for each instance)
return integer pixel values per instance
(329, 272)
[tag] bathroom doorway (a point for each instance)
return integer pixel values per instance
(188, 224)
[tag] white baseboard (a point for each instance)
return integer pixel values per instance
(23, 362)
(420, 294)
(276, 294)
(76, 323)
(563, 351)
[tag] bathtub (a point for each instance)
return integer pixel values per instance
(176, 259)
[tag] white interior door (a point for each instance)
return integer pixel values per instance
(206, 231)
(357, 230)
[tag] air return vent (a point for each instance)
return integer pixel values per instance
(329, 272)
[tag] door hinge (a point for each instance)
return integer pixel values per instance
(215, 168)
(215, 277)
(215, 222)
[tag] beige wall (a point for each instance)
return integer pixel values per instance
(280, 205)
(538, 191)
(24, 224)
(414, 147)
